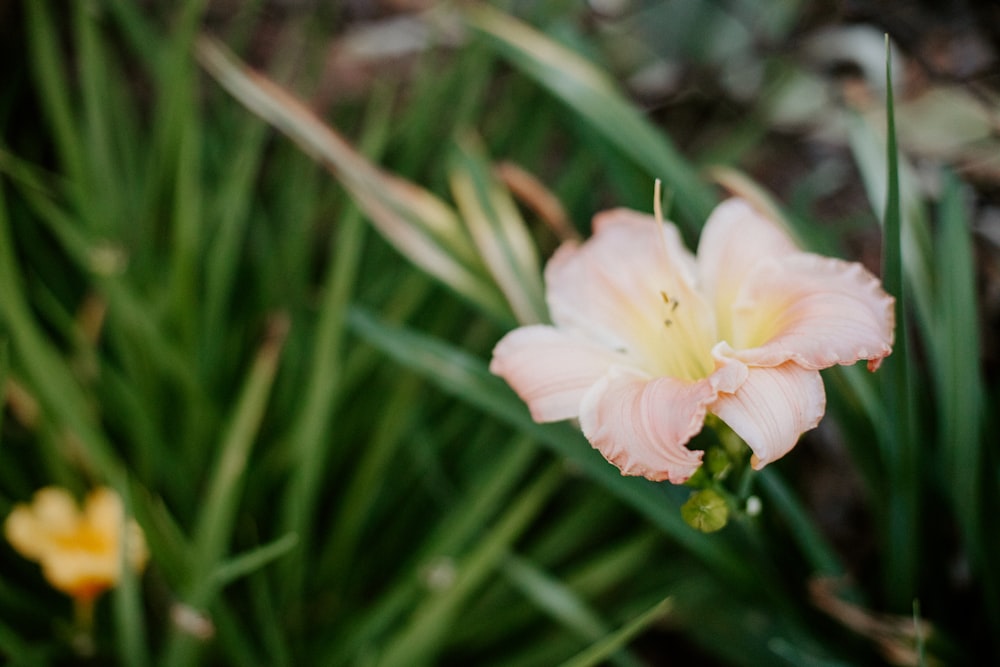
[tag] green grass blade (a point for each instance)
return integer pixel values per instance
(54, 89)
(902, 492)
(423, 636)
(234, 202)
(606, 647)
(216, 519)
(130, 617)
(588, 91)
(50, 378)
(416, 222)
(271, 623)
(107, 125)
(871, 154)
(562, 603)
(498, 230)
(310, 431)
(172, 550)
(370, 474)
(144, 39)
(961, 389)
(822, 558)
(4, 375)
(249, 562)
(18, 652)
(220, 503)
(491, 491)
(237, 644)
(185, 246)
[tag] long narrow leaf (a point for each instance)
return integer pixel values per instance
(52, 381)
(588, 91)
(247, 563)
(606, 647)
(900, 450)
(562, 603)
(215, 522)
(499, 231)
(960, 387)
(417, 223)
(420, 640)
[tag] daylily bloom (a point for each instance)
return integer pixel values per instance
(77, 550)
(648, 339)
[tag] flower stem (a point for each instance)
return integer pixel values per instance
(83, 625)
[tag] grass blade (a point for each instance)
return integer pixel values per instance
(215, 522)
(247, 563)
(133, 643)
(54, 90)
(562, 603)
(52, 381)
(602, 650)
(498, 230)
(960, 386)
(420, 640)
(417, 223)
(588, 91)
(900, 449)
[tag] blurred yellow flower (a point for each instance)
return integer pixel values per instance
(79, 551)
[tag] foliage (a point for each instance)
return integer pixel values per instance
(195, 311)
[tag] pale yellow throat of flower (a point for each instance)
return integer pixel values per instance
(686, 329)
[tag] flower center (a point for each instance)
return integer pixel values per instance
(85, 538)
(683, 347)
(685, 340)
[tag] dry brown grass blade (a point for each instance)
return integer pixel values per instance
(415, 221)
(897, 637)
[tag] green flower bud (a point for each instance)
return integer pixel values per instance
(706, 511)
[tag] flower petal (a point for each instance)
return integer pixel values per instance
(33, 529)
(772, 408)
(610, 285)
(103, 510)
(549, 369)
(621, 287)
(643, 425)
(81, 573)
(734, 240)
(816, 311)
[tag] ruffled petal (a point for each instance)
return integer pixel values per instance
(816, 311)
(550, 369)
(772, 408)
(643, 425)
(734, 240)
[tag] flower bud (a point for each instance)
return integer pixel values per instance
(705, 510)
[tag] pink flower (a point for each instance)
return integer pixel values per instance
(648, 339)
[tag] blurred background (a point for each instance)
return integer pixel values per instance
(243, 281)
